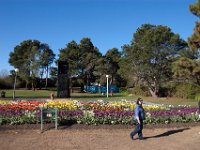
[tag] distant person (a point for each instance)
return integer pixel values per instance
(139, 116)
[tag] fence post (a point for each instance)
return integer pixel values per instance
(41, 117)
(56, 118)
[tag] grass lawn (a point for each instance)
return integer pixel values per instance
(118, 97)
(45, 94)
(172, 101)
(28, 93)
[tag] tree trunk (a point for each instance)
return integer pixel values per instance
(47, 71)
(198, 80)
(41, 75)
(153, 93)
(26, 84)
(153, 90)
(32, 86)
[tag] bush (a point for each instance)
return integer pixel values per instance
(6, 83)
(141, 91)
(197, 97)
(163, 92)
(169, 89)
(186, 90)
(123, 90)
(3, 94)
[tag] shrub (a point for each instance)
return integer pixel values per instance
(197, 97)
(141, 91)
(187, 90)
(6, 83)
(163, 92)
(3, 94)
(169, 89)
(123, 90)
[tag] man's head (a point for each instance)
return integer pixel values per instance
(139, 101)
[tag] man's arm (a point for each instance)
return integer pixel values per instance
(138, 119)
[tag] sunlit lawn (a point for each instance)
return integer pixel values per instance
(45, 94)
(28, 93)
(173, 101)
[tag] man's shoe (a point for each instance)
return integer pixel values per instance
(131, 137)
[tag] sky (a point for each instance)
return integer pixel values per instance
(108, 23)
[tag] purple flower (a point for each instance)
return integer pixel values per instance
(111, 113)
(174, 112)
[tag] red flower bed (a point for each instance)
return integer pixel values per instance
(31, 105)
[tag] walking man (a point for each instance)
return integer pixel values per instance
(139, 116)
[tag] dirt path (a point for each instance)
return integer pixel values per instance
(187, 138)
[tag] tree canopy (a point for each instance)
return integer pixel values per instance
(82, 59)
(187, 66)
(28, 57)
(150, 54)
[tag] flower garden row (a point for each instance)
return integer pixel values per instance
(99, 112)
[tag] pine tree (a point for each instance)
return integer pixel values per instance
(194, 40)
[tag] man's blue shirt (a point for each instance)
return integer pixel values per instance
(139, 112)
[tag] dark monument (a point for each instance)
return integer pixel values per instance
(63, 80)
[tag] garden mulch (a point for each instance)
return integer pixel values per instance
(102, 137)
(49, 126)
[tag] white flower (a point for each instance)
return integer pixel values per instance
(166, 122)
(148, 114)
(79, 122)
(49, 100)
(100, 101)
(88, 112)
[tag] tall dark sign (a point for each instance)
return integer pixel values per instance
(63, 67)
(63, 80)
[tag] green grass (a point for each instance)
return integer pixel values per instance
(173, 101)
(45, 94)
(118, 97)
(28, 93)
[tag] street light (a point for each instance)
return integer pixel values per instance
(16, 70)
(107, 84)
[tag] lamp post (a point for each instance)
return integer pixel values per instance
(16, 70)
(107, 84)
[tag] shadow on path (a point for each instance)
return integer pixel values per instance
(170, 132)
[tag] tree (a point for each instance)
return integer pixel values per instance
(81, 58)
(46, 59)
(187, 69)
(89, 56)
(194, 40)
(54, 74)
(187, 66)
(126, 70)
(109, 65)
(187, 53)
(113, 57)
(150, 55)
(72, 55)
(26, 58)
(114, 54)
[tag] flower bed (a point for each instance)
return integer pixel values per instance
(99, 112)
